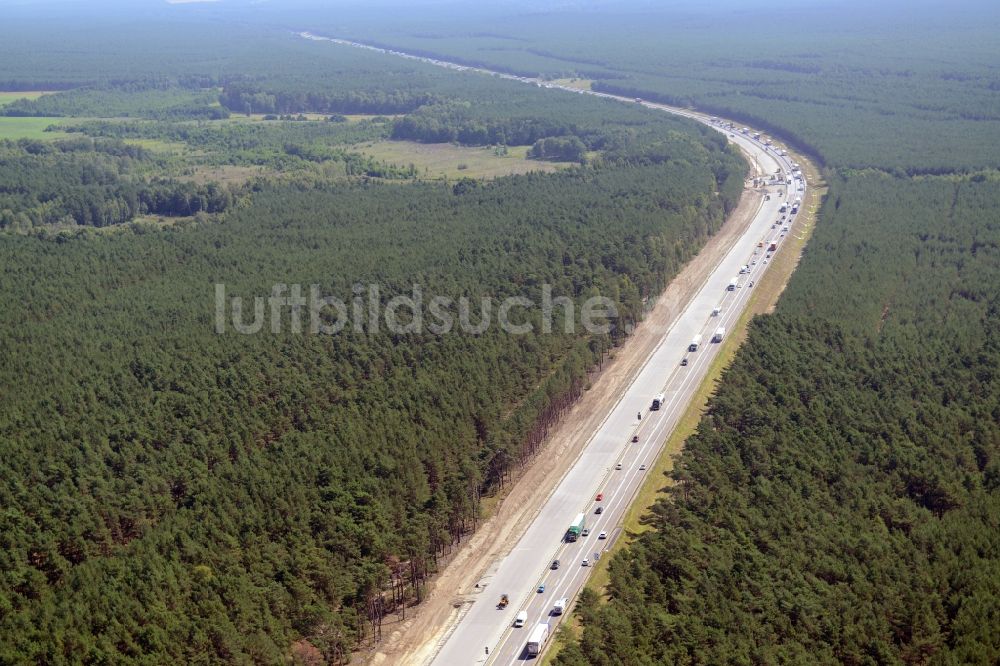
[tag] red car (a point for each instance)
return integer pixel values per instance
(600, 496)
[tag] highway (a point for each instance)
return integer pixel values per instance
(527, 565)
(482, 625)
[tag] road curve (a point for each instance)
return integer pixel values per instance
(485, 634)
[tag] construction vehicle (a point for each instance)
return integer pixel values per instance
(504, 600)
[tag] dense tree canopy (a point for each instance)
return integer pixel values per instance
(174, 494)
(898, 86)
(840, 503)
(92, 183)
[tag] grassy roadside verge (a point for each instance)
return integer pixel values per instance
(762, 301)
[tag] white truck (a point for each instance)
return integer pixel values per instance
(537, 639)
(732, 285)
(695, 341)
(719, 334)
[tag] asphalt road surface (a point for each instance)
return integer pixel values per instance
(527, 566)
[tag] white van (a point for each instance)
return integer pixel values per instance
(560, 606)
(521, 618)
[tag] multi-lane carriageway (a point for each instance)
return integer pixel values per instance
(527, 565)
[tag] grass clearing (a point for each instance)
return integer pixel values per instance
(580, 84)
(264, 117)
(226, 174)
(450, 161)
(8, 97)
(30, 128)
(158, 146)
(358, 117)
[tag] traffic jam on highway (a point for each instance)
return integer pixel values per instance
(593, 530)
(588, 535)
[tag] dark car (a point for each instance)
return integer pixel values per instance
(599, 509)
(555, 564)
(684, 361)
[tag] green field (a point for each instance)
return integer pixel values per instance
(29, 128)
(8, 97)
(157, 145)
(446, 160)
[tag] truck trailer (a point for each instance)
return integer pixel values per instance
(537, 639)
(576, 529)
